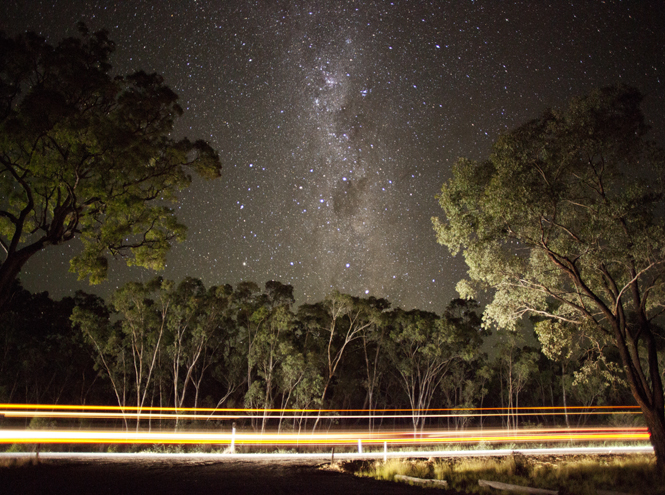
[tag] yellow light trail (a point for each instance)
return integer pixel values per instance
(146, 416)
(341, 437)
(338, 438)
(170, 413)
(215, 409)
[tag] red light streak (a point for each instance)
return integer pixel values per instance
(338, 438)
(342, 437)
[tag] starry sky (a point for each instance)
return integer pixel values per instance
(337, 122)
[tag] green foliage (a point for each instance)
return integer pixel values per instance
(182, 344)
(570, 476)
(565, 221)
(424, 348)
(88, 155)
(572, 194)
(389, 469)
(160, 330)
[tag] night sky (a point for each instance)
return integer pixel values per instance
(337, 122)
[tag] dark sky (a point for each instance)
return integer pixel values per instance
(338, 121)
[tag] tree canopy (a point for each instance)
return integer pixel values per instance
(88, 155)
(565, 221)
(164, 343)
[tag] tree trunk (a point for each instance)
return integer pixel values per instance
(563, 390)
(552, 396)
(656, 423)
(11, 267)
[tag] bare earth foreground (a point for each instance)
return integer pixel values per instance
(191, 477)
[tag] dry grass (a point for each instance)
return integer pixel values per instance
(18, 462)
(580, 475)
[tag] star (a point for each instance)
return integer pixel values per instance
(337, 124)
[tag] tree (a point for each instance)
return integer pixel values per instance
(252, 312)
(108, 345)
(375, 362)
(193, 318)
(272, 347)
(585, 357)
(263, 319)
(565, 221)
(128, 348)
(219, 344)
(424, 347)
(87, 155)
(561, 345)
(344, 318)
(516, 364)
(43, 359)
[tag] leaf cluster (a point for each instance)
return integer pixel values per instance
(565, 214)
(85, 154)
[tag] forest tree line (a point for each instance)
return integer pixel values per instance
(181, 345)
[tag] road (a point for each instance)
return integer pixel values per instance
(191, 473)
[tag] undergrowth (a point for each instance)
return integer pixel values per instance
(17, 462)
(579, 475)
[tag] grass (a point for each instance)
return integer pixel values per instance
(18, 462)
(579, 474)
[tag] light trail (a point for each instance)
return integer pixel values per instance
(393, 437)
(206, 414)
(214, 409)
(176, 416)
(555, 435)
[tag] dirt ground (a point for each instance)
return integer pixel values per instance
(192, 477)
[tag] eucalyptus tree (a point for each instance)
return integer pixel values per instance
(464, 388)
(193, 319)
(562, 346)
(183, 344)
(129, 346)
(108, 345)
(517, 364)
(227, 358)
(272, 346)
(375, 357)
(219, 353)
(340, 319)
(251, 311)
(299, 382)
(424, 347)
(88, 155)
(260, 316)
(566, 221)
(583, 360)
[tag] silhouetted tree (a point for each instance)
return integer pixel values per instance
(87, 155)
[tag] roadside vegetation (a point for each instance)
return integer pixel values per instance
(579, 475)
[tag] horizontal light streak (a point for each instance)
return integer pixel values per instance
(339, 438)
(74, 412)
(176, 416)
(262, 410)
(171, 413)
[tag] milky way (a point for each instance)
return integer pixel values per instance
(337, 122)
